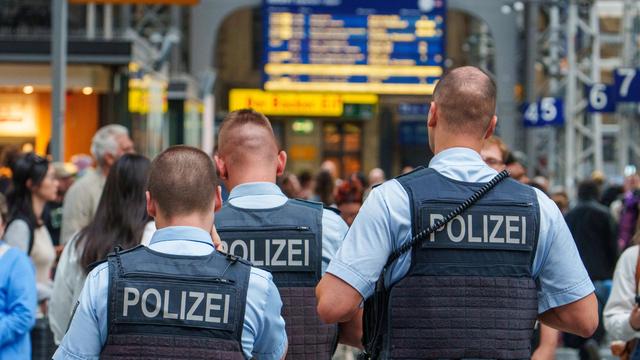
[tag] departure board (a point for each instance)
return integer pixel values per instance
(371, 46)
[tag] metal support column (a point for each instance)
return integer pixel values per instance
(583, 133)
(628, 148)
(107, 21)
(59, 76)
(91, 21)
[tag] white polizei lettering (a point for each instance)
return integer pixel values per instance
(183, 304)
(129, 302)
(198, 296)
(282, 243)
(245, 251)
(524, 230)
(306, 252)
(511, 228)
(252, 254)
(293, 252)
(267, 253)
(432, 220)
(157, 305)
(165, 309)
(472, 239)
(460, 236)
(211, 306)
(225, 314)
(485, 228)
(499, 220)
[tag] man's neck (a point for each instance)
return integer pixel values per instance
(449, 141)
(193, 220)
(241, 177)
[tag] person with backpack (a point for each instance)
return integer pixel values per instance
(33, 185)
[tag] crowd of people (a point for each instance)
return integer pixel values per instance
(59, 224)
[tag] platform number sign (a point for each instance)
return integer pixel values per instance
(547, 111)
(627, 83)
(601, 98)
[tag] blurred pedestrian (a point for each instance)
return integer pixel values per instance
(65, 174)
(34, 184)
(629, 210)
(307, 184)
(8, 157)
(290, 185)
(517, 166)
(376, 177)
(562, 200)
(349, 198)
(18, 297)
(594, 232)
(494, 153)
(121, 220)
(108, 144)
(325, 189)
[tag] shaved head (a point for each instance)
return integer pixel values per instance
(466, 98)
(246, 138)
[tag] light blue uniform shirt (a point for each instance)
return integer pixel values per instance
(265, 195)
(384, 224)
(263, 336)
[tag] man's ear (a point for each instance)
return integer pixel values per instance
(109, 159)
(218, 195)
(282, 162)
(432, 117)
(221, 166)
(492, 127)
(151, 206)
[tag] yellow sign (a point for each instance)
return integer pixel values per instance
(295, 103)
(164, 2)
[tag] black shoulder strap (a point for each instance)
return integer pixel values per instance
(31, 230)
(418, 238)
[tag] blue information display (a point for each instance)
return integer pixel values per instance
(547, 111)
(372, 46)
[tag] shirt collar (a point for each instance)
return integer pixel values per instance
(181, 233)
(255, 188)
(456, 156)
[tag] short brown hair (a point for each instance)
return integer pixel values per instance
(182, 180)
(259, 141)
(496, 141)
(466, 97)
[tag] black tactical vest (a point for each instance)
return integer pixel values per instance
(286, 241)
(165, 306)
(469, 293)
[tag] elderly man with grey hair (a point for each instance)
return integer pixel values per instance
(80, 203)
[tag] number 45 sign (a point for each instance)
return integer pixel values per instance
(603, 98)
(547, 111)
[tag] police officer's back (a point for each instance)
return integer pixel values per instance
(474, 288)
(293, 239)
(178, 298)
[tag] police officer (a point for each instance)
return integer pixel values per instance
(178, 298)
(293, 239)
(474, 288)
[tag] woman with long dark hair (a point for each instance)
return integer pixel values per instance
(33, 185)
(121, 220)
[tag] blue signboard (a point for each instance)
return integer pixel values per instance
(373, 46)
(601, 98)
(627, 85)
(547, 111)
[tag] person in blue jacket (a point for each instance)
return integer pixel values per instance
(17, 298)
